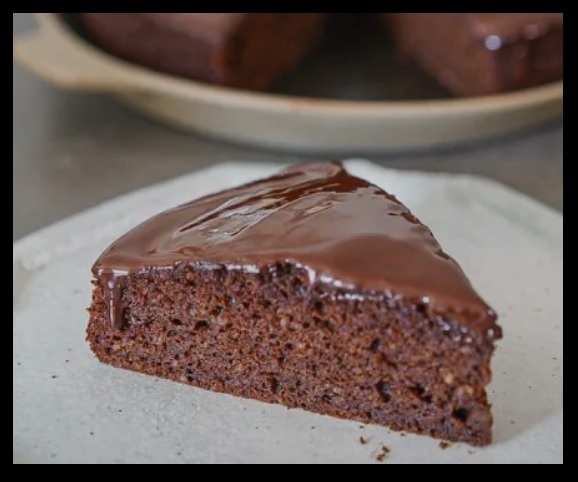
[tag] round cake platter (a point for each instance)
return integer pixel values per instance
(341, 120)
(70, 409)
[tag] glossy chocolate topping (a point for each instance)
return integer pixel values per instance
(344, 230)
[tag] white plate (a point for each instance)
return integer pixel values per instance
(69, 408)
(62, 57)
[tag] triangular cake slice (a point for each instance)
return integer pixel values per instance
(313, 289)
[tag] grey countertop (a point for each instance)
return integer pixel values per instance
(72, 151)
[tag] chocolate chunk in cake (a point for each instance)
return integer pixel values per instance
(312, 289)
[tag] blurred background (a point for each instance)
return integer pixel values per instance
(73, 150)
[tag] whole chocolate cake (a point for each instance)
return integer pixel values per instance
(312, 289)
(469, 53)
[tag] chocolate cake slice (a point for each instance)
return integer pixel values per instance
(313, 289)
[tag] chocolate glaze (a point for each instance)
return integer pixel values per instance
(342, 229)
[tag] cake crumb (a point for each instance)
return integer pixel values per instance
(402, 434)
(363, 441)
(385, 451)
(91, 433)
(444, 445)
(53, 377)
(471, 452)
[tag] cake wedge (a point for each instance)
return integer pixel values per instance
(313, 289)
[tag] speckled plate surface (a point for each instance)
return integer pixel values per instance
(68, 408)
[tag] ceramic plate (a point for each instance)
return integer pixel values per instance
(69, 408)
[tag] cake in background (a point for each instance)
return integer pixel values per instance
(468, 53)
(482, 53)
(246, 50)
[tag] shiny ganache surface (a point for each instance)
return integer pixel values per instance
(342, 229)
